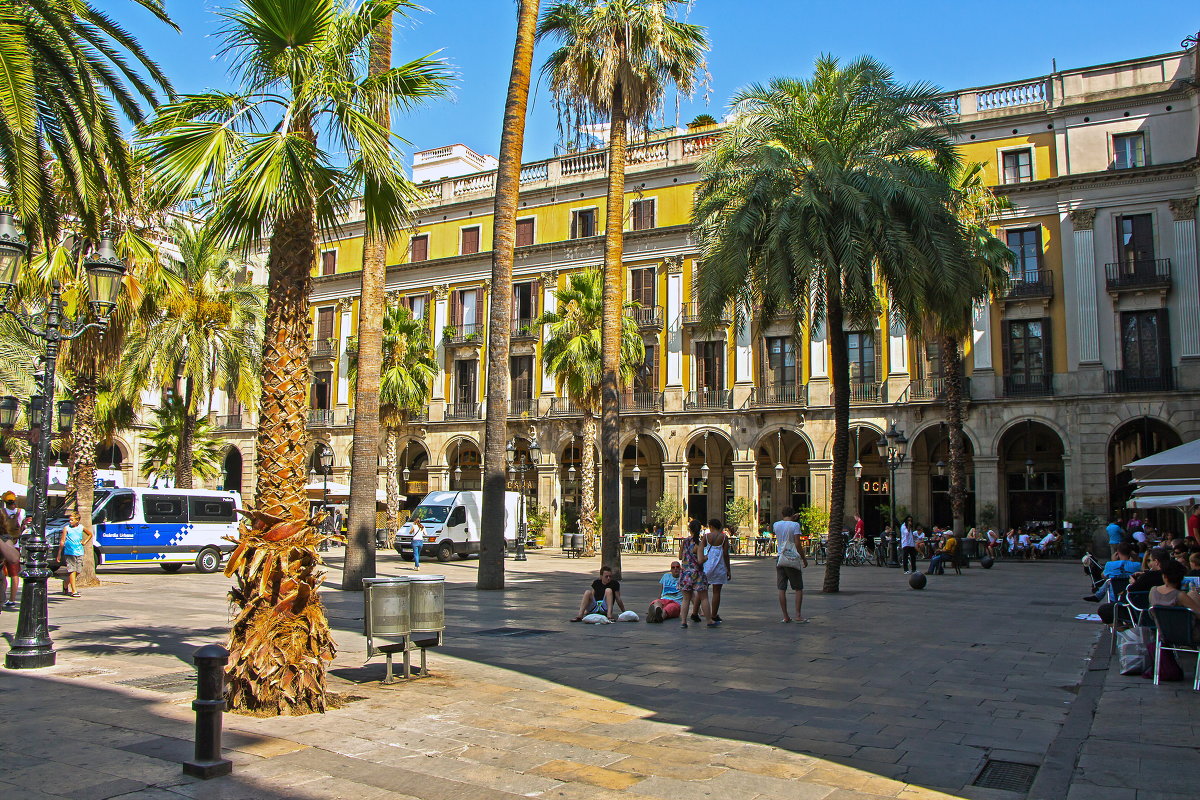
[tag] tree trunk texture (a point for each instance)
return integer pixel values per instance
(392, 482)
(952, 361)
(187, 435)
(610, 340)
(504, 236)
(364, 452)
(587, 478)
(83, 465)
(839, 369)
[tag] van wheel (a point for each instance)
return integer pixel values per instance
(172, 568)
(445, 551)
(463, 556)
(208, 560)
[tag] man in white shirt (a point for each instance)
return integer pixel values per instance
(1023, 545)
(787, 534)
(908, 546)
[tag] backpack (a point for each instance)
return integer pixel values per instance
(9, 527)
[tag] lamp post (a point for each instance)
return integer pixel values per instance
(893, 447)
(32, 646)
(521, 466)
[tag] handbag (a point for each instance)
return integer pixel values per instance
(1131, 649)
(789, 556)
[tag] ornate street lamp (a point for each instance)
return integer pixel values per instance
(893, 447)
(522, 466)
(637, 471)
(32, 646)
(779, 455)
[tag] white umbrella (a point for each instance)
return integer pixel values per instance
(1182, 463)
(1180, 501)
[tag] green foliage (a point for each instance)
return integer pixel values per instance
(667, 512)
(407, 367)
(537, 521)
(702, 121)
(1084, 525)
(989, 517)
(814, 520)
(739, 513)
(158, 456)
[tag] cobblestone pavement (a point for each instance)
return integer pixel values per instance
(888, 692)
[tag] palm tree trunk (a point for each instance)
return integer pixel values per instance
(83, 463)
(187, 434)
(952, 365)
(392, 482)
(364, 452)
(587, 477)
(610, 339)
(504, 234)
(839, 369)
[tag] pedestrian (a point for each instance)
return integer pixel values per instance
(789, 560)
(12, 520)
(908, 546)
(716, 563)
(692, 581)
(1116, 535)
(75, 537)
(418, 539)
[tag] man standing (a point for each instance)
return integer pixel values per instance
(12, 520)
(1193, 524)
(789, 562)
(1116, 535)
(908, 545)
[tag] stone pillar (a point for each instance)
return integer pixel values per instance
(988, 482)
(1186, 277)
(344, 306)
(672, 315)
(983, 376)
(743, 479)
(439, 478)
(439, 322)
(548, 500)
(549, 305)
(897, 372)
(820, 479)
(743, 366)
(1085, 324)
(904, 488)
(675, 485)
(818, 367)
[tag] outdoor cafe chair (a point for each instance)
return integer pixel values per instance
(1132, 608)
(1177, 633)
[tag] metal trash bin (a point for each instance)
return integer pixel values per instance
(970, 549)
(387, 615)
(427, 604)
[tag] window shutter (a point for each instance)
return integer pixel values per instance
(1006, 347)
(878, 356)
(456, 308)
(574, 225)
(470, 241)
(1164, 346)
(329, 262)
(419, 249)
(524, 232)
(325, 323)
(1047, 354)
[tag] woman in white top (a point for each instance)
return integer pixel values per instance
(716, 563)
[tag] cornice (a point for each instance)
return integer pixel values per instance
(1129, 176)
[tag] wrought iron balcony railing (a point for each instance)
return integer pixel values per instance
(867, 392)
(320, 417)
(791, 394)
(525, 329)
(648, 318)
(463, 411)
(1121, 380)
(1124, 276)
(642, 402)
(1028, 385)
(322, 348)
(522, 407)
(709, 399)
(1031, 284)
(564, 407)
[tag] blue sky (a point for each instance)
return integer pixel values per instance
(952, 44)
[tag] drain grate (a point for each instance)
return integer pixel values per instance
(170, 683)
(513, 632)
(1009, 776)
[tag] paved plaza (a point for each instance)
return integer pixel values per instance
(888, 692)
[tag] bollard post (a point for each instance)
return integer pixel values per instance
(209, 704)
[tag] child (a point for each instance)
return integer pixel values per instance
(70, 550)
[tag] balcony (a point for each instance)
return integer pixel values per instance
(522, 407)
(925, 390)
(1028, 385)
(1122, 381)
(322, 348)
(867, 392)
(470, 333)
(525, 330)
(648, 318)
(708, 399)
(691, 316)
(782, 396)
(463, 411)
(1127, 276)
(231, 422)
(564, 407)
(642, 402)
(1035, 284)
(320, 417)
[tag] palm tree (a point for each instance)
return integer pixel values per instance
(407, 372)
(504, 240)
(976, 209)
(70, 72)
(615, 61)
(831, 190)
(255, 160)
(572, 355)
(173, 423)
(203, 336)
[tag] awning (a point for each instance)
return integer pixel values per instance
(1181, 463)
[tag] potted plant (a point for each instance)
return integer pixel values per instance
(666, 513)
(1080, 536)
(536, 523)
(449, 332)
(739, 513)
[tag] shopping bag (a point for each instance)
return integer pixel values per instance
(1131, 649)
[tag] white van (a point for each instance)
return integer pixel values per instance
(452, 522)
(168, 527)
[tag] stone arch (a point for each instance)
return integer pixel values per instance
(456, 442)
(698, 433)
(827, 448)
(1138, 437)
(1047, 422)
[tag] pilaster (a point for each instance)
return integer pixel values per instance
(1086, 326)
(1188, 319)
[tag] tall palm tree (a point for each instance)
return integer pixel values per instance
(572, 355)
(504, 241)
(831, 190)
(976, 207)
(266, 162)
(407, 372)
(615, 61)
(161, 455)
(68, 73)
(203, 336)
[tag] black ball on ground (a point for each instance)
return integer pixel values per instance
(917, 580)
(986, 562)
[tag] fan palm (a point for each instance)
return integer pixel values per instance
(831, 190)
(263, 162)
(203, 336)
(615, 61)
(173, 424)
(68, 73)
(572, 354)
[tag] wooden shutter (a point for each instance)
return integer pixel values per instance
(1047, 354)
(524, 232)
(1006, 348)
(420, 248)
(652, 358)
(879, 374)
(325, 322)
(1164, 346)
(470, 241)
(643, 215)
(329, 262)
(456, 307)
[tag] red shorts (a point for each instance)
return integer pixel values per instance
(670, 609)
(12, 568)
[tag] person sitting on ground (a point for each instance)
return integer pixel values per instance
(945, 553)
(668, 604)
(1122, 566)
(603, 597)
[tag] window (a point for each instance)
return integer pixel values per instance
(583, 223)
(524, 303)
(469, 241)
(329, 262)
(464, 380)
(418, 305)
(1018, 165)
(710, 360)
(119, 509)
(1145, 343)
(646, 379)
(1026, 244)
(1129, 150)
(1027, 356)
(643, 215)
(325, 322)
(419, 248)
(465, 310)
(525, 232)
(779, 367)
(320, 397)
(1135, 240)
(861, 348)
(164, 508)
(211, 509)
(641, 286)
(521, 375)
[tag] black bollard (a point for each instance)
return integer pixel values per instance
(209, 705)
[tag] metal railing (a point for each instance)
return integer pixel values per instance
(864, 392)
(648, 317)
(525, 330)
(463, 333)
(460, 411)
(709, 398)
(1031, 283)
(1120, 380)
(1028, 386)
(320, 417)
(322, 348)
(1143, 274)
(564, 407)
(230, 422)
(691, 315)
(636, 401)
(789, 394)
(522, 407)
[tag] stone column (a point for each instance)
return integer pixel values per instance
(549, 305)
(439, 322)
(743, 366)
(672, 313)
(675, 485)
(1185, 268)
(1083, 220)
(344, 307)
(820, 478)
(818, 367)
(904, 488)
(743, 480)
(439, 478)
(547, 497)
(983, 377)
(988, 483)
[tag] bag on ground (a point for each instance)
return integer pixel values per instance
(628, 616)
(596, 619)
(1131, 649)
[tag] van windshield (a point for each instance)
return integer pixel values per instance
(431, 513)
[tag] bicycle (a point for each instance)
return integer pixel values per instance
(856, 554)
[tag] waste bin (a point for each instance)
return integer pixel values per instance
(387, 607)
(427, 604)
(970, 549)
